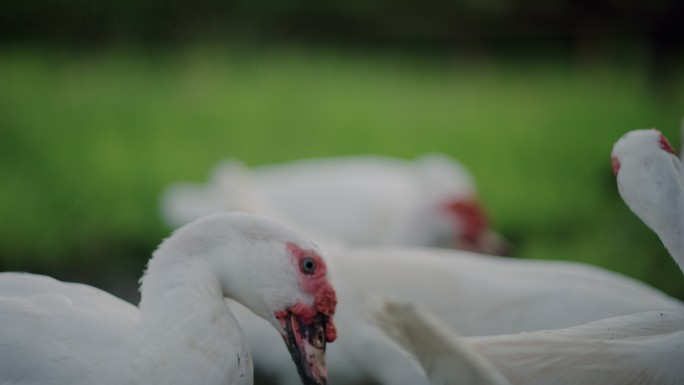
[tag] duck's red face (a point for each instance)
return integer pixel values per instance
(307, 328)
(615, 163)
(665, 145)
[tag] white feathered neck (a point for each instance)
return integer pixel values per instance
(184, 322)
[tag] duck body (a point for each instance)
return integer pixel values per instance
(43, 332)
(76, 334)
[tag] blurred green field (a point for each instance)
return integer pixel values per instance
(88, 141)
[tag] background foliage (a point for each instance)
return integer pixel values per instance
(102, 104)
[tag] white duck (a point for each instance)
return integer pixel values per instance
(53, 332)
(641, 348)
(362, 200)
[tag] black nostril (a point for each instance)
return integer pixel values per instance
(317, 337)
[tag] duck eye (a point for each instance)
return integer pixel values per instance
(308, 265)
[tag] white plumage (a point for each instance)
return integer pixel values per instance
(55, 333)
(475, 294)
(447, 358)
(641, 348)
(650, 179)
(361, 200)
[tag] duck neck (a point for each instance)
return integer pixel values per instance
(673, 239)
(675, 245)
(670, 226)
(654, 191)
(185, 325)
(173, 286)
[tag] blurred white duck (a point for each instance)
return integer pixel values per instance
(641, 348)
(53, 332)
(361, 200)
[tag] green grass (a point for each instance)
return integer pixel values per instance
(87, 142)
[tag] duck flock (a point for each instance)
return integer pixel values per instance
(358, 270)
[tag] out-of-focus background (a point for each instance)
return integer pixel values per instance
(103, 103)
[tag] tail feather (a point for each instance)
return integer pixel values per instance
(446, 357)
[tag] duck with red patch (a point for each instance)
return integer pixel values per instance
(60, 333)
(358, 200)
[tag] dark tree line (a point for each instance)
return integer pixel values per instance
(582, 25)
(348, 20)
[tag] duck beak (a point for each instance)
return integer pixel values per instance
(489, 242)
(306, 343)
(474, 232)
